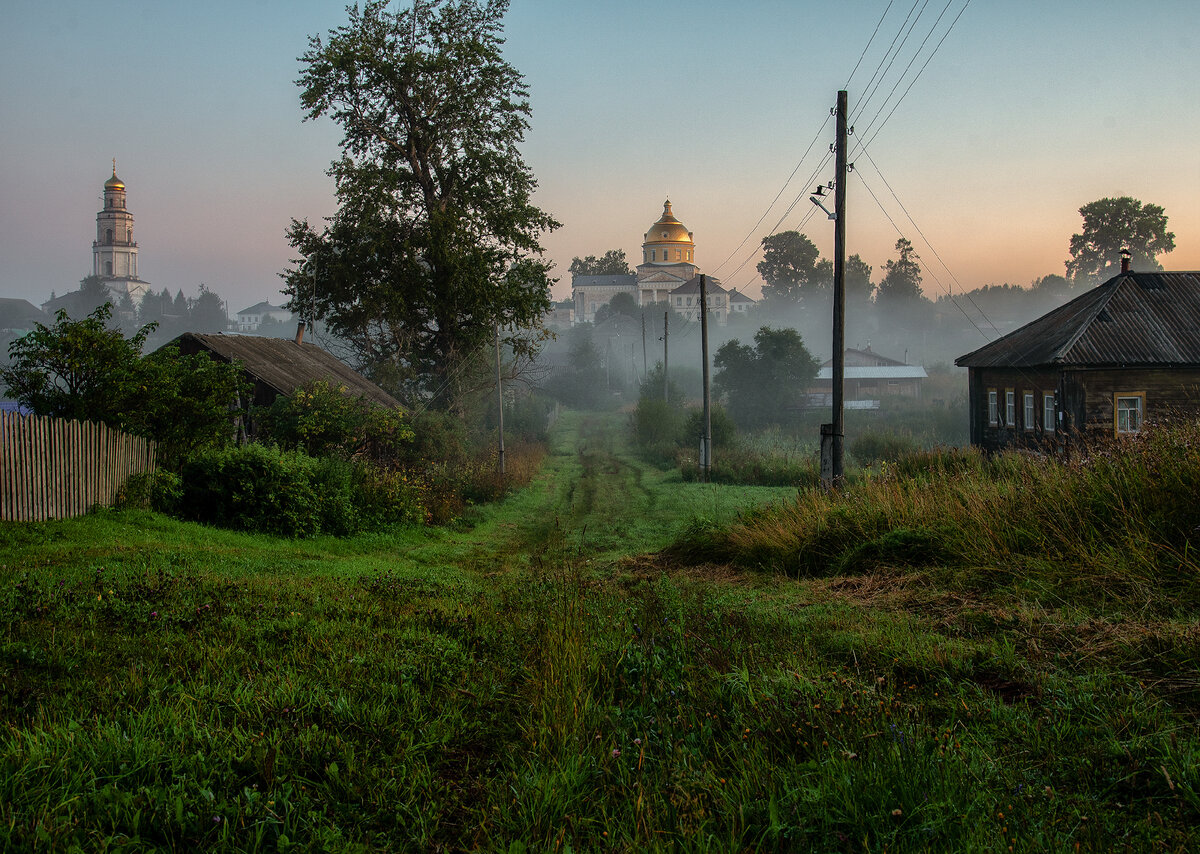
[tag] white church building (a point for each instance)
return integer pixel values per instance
(114, 251)
(668, 275)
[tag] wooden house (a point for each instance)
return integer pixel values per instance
(1099, 366)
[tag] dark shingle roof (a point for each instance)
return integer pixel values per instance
(283, 364)
(1132, 319)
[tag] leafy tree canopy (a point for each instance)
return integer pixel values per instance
(858, 280)
(623, 304)
(611, 263)
(790, 268)
(758, 383)
(901, 283)
(436, 239)
(82, 370)
(1110, 225)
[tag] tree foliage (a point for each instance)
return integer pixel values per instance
(82, 370)
(901, 283)
(1110, 225)
(858, 281)
(611, 263)
(436, 239)
(758, 383)
(791, 269)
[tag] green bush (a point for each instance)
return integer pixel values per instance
(159, 490)
(323, 420)
(724, 431)
(261, 488)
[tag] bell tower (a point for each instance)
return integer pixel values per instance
(114, 251)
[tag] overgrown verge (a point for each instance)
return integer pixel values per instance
(1118, 521)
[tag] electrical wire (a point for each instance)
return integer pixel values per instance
(868, 45)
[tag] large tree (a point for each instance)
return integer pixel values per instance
(901, 282)
(759, 383)
(1110, 225)
(791, 268)
(611, 263)
(436, 240)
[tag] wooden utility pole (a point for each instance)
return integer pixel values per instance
(839, 292)
(645, 364)
(500, 400)
(666, 374)
(706, 442)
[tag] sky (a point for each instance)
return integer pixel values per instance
(1022, 112)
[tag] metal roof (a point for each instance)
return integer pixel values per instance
(284, 365)
(876, 372)
(1132, 319)
(712, 285)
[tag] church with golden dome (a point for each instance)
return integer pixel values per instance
(667, 275)
(114, 251)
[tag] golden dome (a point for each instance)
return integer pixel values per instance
(114, 183)
(668, 229)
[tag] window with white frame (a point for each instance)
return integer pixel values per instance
(1048, 411)
(1029, 414)
(993, 407)
(1010, 407)
(1129, 408)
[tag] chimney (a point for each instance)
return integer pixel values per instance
(1125, 256)
(300, 332)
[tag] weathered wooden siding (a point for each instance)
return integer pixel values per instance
(1002, 434)
(51, 468)
(1168, 393)
(1084, 402)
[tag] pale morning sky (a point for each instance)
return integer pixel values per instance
(1028, 110)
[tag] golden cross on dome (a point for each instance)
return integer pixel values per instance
(114, 167)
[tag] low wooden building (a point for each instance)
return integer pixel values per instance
(870, 376)
(1099, 366)
(281, 365)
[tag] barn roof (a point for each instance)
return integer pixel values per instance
(1132, 319)
(284, 365)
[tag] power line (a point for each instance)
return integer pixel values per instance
(754, 228)
(868, 45)
(936, 48)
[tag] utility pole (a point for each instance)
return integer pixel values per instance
(666, 373)
(706, 442)
(500, 400)
(839, 292)
(645, 364)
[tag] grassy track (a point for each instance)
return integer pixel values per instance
(528, 683)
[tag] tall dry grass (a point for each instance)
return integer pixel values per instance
(1121, 521)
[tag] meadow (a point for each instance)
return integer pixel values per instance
(613, 659)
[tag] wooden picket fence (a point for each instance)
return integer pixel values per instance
(51, 468)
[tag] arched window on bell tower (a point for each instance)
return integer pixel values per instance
(108, 235)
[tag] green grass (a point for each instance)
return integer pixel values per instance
(528, 682)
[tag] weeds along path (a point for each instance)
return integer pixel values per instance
(592, 497)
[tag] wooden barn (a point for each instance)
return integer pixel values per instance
(1101, 365)
(281, 365)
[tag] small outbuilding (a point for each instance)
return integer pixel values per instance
(278, 366)
(1098, 366)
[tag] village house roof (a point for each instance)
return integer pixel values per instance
(875, 372)
(262, 308)
(1132, 319)
(283, 365)
(737, 296)
(692, 286)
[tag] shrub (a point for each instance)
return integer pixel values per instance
(261, 488)
(322, 420)
(159, 490)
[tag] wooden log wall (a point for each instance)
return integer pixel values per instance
(51, 468)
